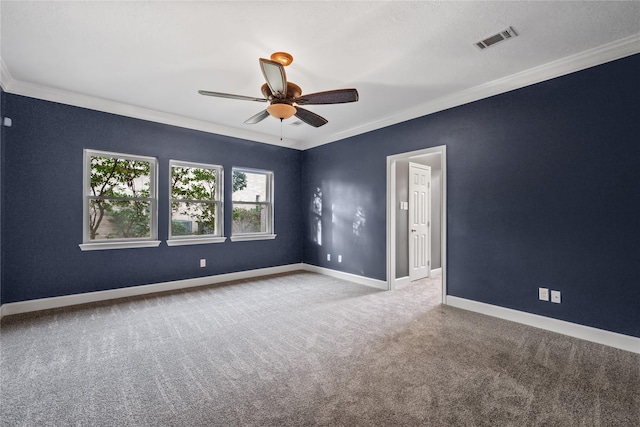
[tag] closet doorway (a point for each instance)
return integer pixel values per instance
(398, 221)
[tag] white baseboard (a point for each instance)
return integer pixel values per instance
(612, 339)
(600, 336)
(380, 284)
(67, 300)
(402, 281)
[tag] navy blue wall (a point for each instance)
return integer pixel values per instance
(2, 97)
(543, 189)
(42, 213)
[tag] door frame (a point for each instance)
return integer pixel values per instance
(391, 213)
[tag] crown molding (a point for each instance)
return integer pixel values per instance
(570, 64)
(46, 93)
(5, 76)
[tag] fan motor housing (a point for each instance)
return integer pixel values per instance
(293, 91)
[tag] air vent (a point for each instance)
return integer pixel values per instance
(497, 38)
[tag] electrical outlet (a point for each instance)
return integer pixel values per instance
(339, 258)
(328, 257)
(555, 297)
(543, 294)
(203, 263)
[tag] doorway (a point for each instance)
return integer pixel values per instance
(398, 230)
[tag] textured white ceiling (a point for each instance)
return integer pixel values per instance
(150, 58)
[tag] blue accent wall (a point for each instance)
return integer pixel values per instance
(543, 189)
(42, 209)
(2, 97)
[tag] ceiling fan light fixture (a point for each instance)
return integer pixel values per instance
(284, 96)
(282, 57)
(281, 111)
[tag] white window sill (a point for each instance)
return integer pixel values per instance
(195, 241)
(246, 237)
(101, 246)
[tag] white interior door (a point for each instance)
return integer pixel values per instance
(419, 221)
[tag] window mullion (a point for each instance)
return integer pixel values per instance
(119, 199)
(193, 201)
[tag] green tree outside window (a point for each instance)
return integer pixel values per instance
(195, 199)
(119, 194)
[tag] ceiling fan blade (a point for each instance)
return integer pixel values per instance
(338, 96)
(257, 118)
(231, 96)
(310, 118)
(275, 76)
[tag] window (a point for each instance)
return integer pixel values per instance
(120, 203)
(252, 205)
(195, 203)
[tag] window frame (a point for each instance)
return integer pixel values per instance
(219, 236)
(270, 233)
(122, 243)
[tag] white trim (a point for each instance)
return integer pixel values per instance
(391, 212)
(195, 241)
(361, 280)
(67, 300)
(61, 96)
(265, 204)
(218, 204)
(89, 297)
(248, 237)
(5, 76)
(600, 336)
(126, 156)
(570, 64)
(123, 243)
(612, 339)
(402, 281)
(101, 246)
(391, 223)
(188, 164)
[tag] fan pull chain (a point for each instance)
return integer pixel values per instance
(281, 129)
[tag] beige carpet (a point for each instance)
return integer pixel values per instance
(303, 349)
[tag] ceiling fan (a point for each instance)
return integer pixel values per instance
(285, 97)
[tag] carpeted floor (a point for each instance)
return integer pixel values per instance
(303, 349)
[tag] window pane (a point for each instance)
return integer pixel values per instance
(193, 219)
(193, 183)
(111, 219)
(115, 177)
(250, 187)
(250, 219)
